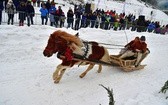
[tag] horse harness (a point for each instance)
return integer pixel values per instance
(85, 49)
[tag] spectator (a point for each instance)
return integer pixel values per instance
(164, 29)
(34, 2)
(62, 20)
(103, 19)
(151, 27)
(88, 19)
(1, 9)
(44, 14)
(11, 10)
(58, 14)
(78, 17)
(112, 19)
(70, 18)
(42, 3)
(22, 13)
(157, 29)
(93, 19)
(6, 1)
(98, 19)
(83, 20)
(30, 13)
(52, 12)
(16, 3)
(48, 5)
(107, 21)
(116, 24)
(38, 3)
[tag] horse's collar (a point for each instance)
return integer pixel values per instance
(86, 49)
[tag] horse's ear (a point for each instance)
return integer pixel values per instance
(77, 34)
(51, 35)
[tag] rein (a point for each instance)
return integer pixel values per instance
(111, 44)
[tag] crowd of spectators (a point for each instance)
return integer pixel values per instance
(78, 18)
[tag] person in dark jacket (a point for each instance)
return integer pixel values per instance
(83, 20)
(30, 13)
(22, 13)
(78, 17)
(38, 3)
(48, 5)
(1, 9)
(70, 18)
(16, 3)
(93, 19)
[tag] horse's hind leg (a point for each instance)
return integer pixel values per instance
(85, 72)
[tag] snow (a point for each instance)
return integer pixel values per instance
(26, 75)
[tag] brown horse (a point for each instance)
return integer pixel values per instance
(68, 45)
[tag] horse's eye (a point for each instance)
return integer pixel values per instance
(57, 41)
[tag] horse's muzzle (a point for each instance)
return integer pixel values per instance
(46, 54)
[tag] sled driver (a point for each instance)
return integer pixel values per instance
(127, 46)
(136, 47)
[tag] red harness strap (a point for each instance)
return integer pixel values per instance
(68, 54)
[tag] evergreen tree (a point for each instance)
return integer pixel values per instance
(110, 92)
(164, 88)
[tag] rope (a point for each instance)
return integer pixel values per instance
(126, 36)
(111, 44)
(113, 48)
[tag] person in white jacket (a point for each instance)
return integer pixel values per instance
(11, 10)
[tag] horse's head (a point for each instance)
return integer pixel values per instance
(55, 44)
(59, 41)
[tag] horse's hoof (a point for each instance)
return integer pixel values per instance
(54, 78)
(98, 71)
(56, 81)
(81, 76)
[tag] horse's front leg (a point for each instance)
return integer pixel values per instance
(57, 75)
(58, 78)
(100, 68)
(85, 72)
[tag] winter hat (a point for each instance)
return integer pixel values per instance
(143, 38)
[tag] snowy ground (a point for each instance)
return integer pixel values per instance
(26, 75)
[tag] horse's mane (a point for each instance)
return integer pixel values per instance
(68, 37)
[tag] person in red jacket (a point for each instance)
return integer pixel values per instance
(127, 46)
(138, 47)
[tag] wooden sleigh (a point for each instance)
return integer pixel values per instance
(127, 64)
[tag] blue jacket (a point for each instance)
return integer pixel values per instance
(151, 26)
(44, 12)
(52, 10)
